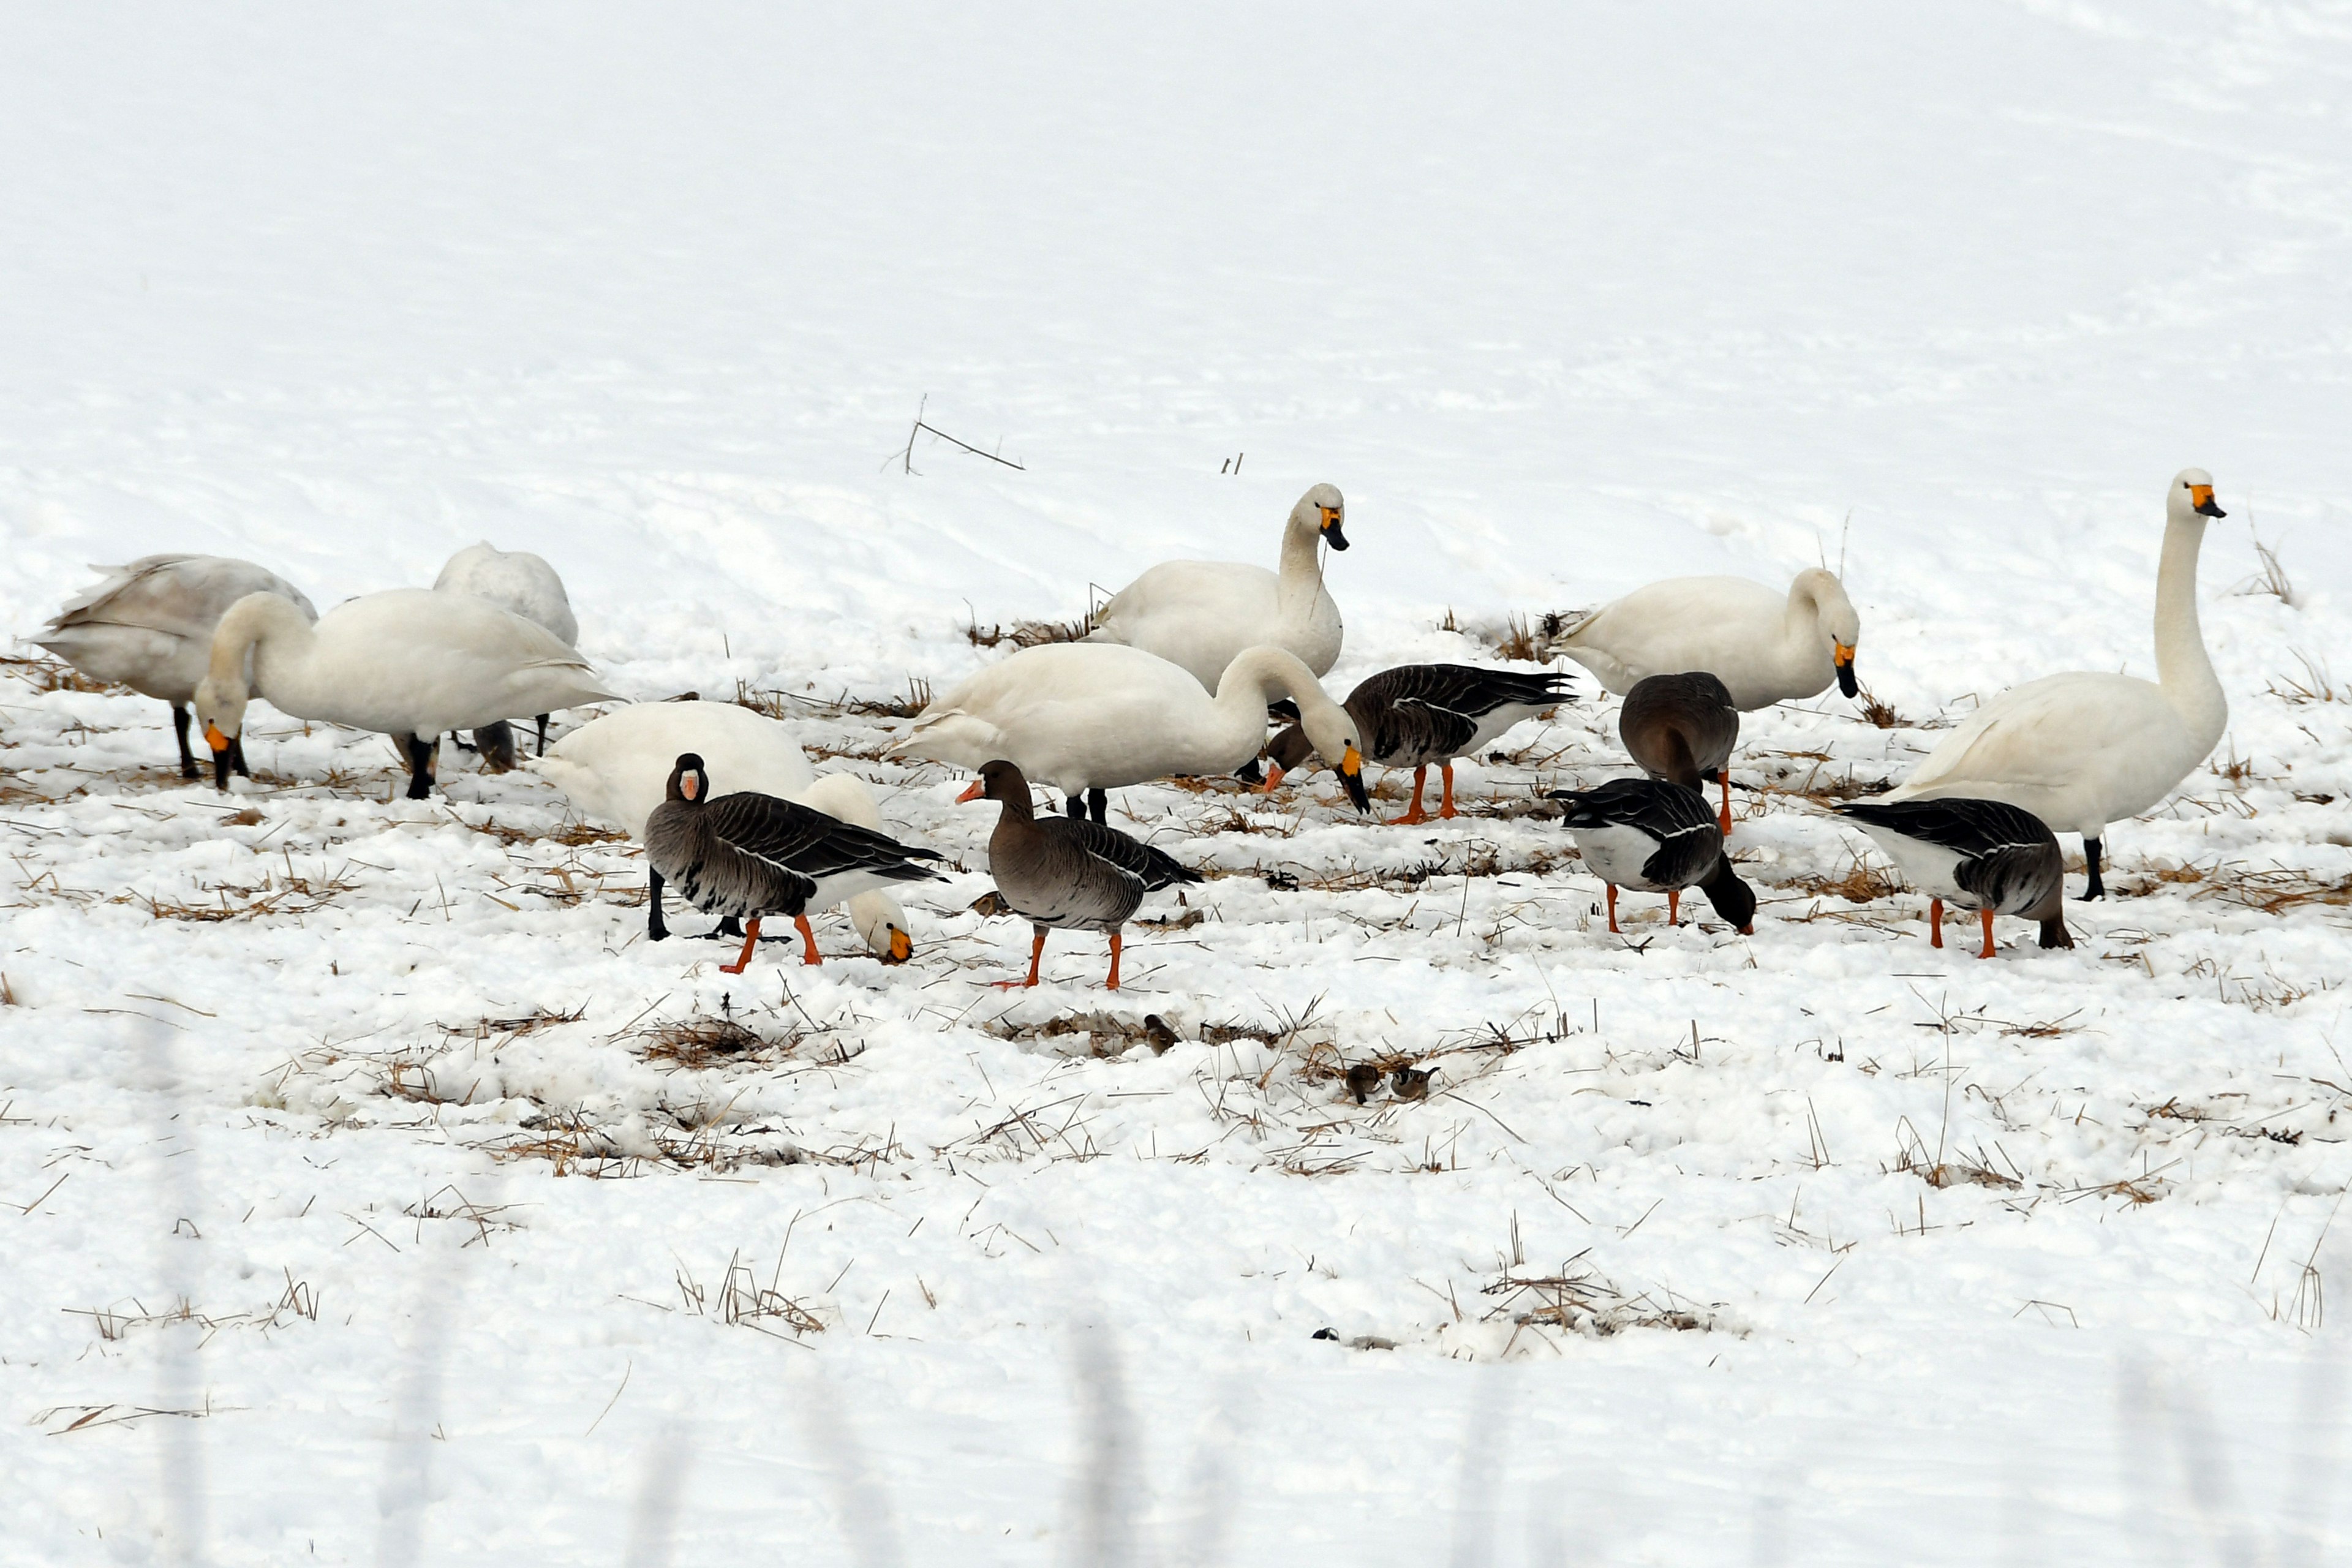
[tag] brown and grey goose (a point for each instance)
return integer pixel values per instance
(1982, 854)
(1417, 715)
(1681, 728)
(748, 855)
(1065, 872)
(1656, 837)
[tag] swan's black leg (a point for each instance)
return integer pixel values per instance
(1098, 802)
(656, 931)
(187, 757)
(421, 754)
(1076, 806)
(2097, 889)
(237, 758)
(542, 734)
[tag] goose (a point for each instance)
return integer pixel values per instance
(1085, 718)
(1763, 648)
(1066, 873)
(518, 581)
(1418, 714)
(1681, 728)
(616, 769)
(407, 662)
(1981, 854)
(1201, 614)
(1656, 837)
(746, 856)
(2087, 748)
(149, 625)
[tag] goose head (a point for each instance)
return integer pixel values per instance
(220, 712)
(1322, 511)
(689, 780)
(998, 781)
(1331, 732)
(2191, 497)
(1839, 622)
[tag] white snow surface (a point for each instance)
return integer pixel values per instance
(356, 1211)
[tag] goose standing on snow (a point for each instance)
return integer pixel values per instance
(749, 856)
(1201, 614)
(1763, 646)
(1067, 874)
(1681, 728)
(149, 625)
(617, 768)
(1979, 854)
(1417, 715)
(518, 581)
(1085, 718)
(406, 663)
(2087, 748)
(1656, 837)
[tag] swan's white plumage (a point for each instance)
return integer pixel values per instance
(2087, 748)
(1079, 716)
(1199, 614)
(616, 768)
(408, 661)
(149, 625)
(513, 580)
(1765, 645)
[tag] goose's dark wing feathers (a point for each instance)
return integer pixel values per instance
(1470, 690)
(1155, 868)
(811, 842)
(2008, 857)
(1680, 822)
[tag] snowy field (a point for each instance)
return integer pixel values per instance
(376, 1193)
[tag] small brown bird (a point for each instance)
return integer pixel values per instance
(1065, 871)
(1682, 728)
(1363, 1079)
(1410, 1083)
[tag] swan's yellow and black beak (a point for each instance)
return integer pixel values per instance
(2202, 495)
(1331, 529)
(220, 744)
(902, 947)
(1351, 775)
(1844, 656)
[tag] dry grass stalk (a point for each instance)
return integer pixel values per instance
(1880, 715)
(702, 1042)
(292, 895)
(43, 673)
(2316, 685)
(1579, 1299)
(2272, 892)
(788, 705)
(1028, 634)
(742, 1301)
(1863, 883)
(2271, 579)
(1524, 639)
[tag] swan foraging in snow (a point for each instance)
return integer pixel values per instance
(408, 663)
(617, 768)
(746, 856)
(1417, 714)
(149, 625)
(2087, 748)
(1085, 718)
(1979, 854)
(1765, 647)
(1202, 614)
(525, 583)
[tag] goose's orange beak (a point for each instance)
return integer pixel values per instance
(978, 787)
(1273, 776)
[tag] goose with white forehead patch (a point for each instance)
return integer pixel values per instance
(1765, 647)
(1656, 837)
(1979, 854)
(749, 856)
(2088, 748)
(1087, 718)
(1199, 614)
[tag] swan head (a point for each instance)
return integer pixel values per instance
(1840, 622)
(688, 781)
(220, 712)
(2191, 496)
(1322, 510)
(1333, 735)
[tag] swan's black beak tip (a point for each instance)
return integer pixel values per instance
(2211, 507)
(1847, 682)
(1332, 531)
(1358, 797)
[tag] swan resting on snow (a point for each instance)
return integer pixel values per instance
(525, 583)
(408, 663)
(1764, 646)
(2087, 748)
(1085, 718)
(149, 625)
(616, 768)
(1199, 614)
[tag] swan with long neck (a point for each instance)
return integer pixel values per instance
(2088, 748)
(408, 663)
(1202, 614)
(1764, 646)
(1085, 718)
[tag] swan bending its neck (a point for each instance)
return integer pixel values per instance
(263, 625)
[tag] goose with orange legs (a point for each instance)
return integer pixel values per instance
(1682, 728)
(1982, 854)
(1420, 715)
(1656, 837)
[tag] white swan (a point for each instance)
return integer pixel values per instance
(1200, 614)
(1765, 647)
(408, 663)
(2087, 748)
(525, 583)
(617, 768)
(149, 625)
(1091, 717)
